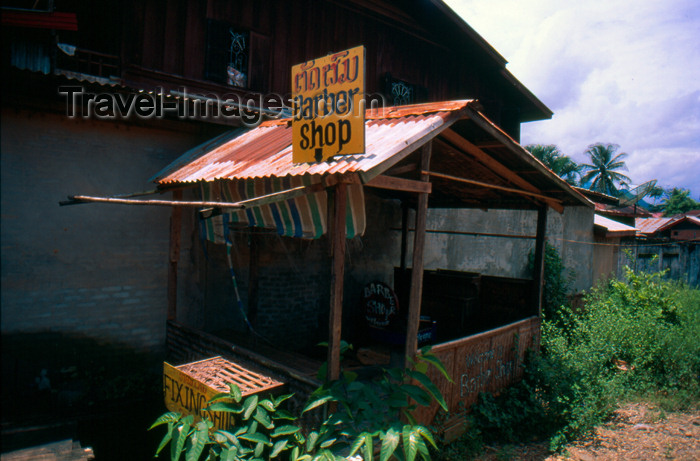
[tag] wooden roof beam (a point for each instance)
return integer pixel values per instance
(400, 184)
(492, 186)
(494, 165)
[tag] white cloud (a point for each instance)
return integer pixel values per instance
(618, 71)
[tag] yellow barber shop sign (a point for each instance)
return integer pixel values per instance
(328, 106)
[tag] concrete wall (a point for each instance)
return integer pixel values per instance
(571, 233)
(98, 270)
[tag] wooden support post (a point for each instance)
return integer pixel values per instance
(174, 255)
(416, 293)
(404, 234)
(538, 275)
(337, 275)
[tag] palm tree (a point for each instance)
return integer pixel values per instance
(556, 161)
(600, 173)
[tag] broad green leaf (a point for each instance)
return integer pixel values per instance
(397, 400)
(166, 438)
(350, 376)
(417, 394)
(230, 454)
(252, 427)
(322, 372)
(311, 441)
(283, 414)
(437, 363)
(230, 437)
(219, 396)
(369, 447)
(328, 443)
(421, 367)
(395, 374)
(284, 430)
(166, 418)
(357, 444)
(426, 434)
(410, 445)
(422, 449)
(263, 418)
(268, 405)
(431, 388)
(179, 445)
(199, 440)
(259, 449)
(389, 443)
(256, 437)
(277, 448)
(317, 403)
(249, 406)
(235, 392)
(225, 407)
(278, 400)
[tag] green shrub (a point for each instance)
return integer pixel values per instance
(634, 338)
(557, 282)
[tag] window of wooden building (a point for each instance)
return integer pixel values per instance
(227, 54)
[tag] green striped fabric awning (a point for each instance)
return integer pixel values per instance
(301, 217)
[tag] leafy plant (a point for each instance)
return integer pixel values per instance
(557, 284)
(367, 415)
(262, 430)
(370, 410)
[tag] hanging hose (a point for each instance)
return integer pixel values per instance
(239, 303)
(235, 287)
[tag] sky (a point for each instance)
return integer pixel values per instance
(623, 72)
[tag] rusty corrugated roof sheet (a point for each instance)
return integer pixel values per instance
(648, 226)
(499, 174)
(266, 151)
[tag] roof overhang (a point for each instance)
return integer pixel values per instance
(474, 163)
(610, 228)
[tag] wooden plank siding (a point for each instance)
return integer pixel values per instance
(173, 38)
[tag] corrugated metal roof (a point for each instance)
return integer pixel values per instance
(650, 226)
(501, 174)
(266, 151)
(613, 228)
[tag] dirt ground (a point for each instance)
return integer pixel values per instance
(636, 432)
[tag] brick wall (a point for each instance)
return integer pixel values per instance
(294, 281)
(94, 269)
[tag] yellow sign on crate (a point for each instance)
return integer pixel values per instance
(328, 106)
(188, 388)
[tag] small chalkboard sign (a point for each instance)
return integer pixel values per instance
(380, 304)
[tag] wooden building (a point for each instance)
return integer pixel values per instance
(445, 137)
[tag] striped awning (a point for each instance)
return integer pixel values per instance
(302, 216)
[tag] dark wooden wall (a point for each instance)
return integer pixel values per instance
(169, 37)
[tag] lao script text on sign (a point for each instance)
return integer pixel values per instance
(328, 106)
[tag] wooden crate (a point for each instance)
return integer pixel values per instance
(187, 388)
